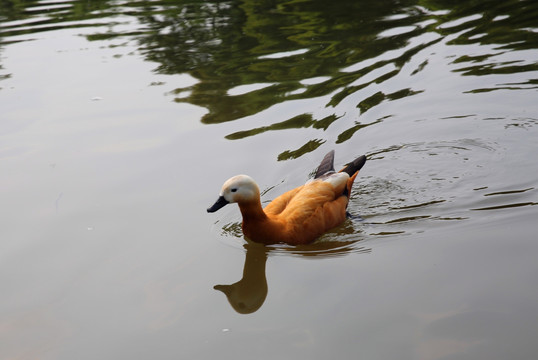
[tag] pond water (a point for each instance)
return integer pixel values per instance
(119, 122)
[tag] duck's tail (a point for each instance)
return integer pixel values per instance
(352, 169)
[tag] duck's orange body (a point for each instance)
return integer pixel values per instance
(298, 216)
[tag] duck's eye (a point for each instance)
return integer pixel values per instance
(233, 190)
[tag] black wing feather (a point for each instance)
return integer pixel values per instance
(326, 165)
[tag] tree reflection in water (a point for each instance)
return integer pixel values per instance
(249, 56)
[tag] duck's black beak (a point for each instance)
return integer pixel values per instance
(221, 201)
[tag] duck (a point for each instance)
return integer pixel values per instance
(299, 216)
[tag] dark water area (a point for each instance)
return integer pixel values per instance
(120, 120)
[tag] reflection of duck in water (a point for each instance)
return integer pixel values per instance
(248, 294)
(298, 216)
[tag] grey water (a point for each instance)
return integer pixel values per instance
(119, 122)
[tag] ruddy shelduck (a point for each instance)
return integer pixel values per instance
(298, 216)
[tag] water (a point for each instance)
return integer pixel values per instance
(120, 121)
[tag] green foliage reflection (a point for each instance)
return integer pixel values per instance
(348, 46)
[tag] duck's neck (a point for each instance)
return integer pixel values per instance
(252, 211)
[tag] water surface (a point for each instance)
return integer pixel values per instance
(119, 122)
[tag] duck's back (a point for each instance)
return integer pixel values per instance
(304, 213)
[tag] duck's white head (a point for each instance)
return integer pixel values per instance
(240, 188)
